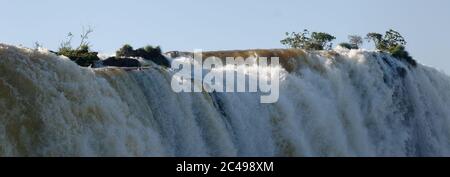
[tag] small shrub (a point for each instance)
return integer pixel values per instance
(400, 53)
(125, 51)
(82, 55)
(348, 46)
(153, 52)
(356, 41)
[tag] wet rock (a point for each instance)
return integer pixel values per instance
(121, 62)
(402, 72)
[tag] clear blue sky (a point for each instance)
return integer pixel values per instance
(226, 24)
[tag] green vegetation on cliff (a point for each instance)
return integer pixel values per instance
(303, 40)
(391, 42)
(82, 54)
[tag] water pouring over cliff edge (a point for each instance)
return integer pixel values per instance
(339, 103)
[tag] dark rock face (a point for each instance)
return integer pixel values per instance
(153, 55)
(160, 60)
(402, 72)
(175, 54)
(148, 53)
(82, 57)
(121, 62)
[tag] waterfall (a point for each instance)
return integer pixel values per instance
(339, 103)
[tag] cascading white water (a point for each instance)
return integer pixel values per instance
(357, 103)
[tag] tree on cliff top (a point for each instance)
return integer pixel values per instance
(392, 42)
(355, 42)
(303, 40)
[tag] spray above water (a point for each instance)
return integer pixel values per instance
(241, 75)
(339, 103)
